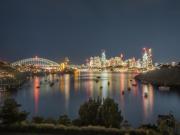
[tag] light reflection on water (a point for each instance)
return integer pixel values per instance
(70, 91)
(149, 101)
(36, 93)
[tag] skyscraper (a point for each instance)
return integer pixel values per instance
(103, 58)
(147, 58)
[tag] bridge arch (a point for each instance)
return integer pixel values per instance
(40, 62)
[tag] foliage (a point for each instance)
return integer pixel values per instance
(10, 113)
(97, 112)
(109, 114)
(70, 130)
(149, 126)
(64, 120)
(38, 119)
(50, 121)
(77, 122)
(88, 112)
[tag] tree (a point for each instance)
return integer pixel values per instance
(38, 119)
(50, 121)
(10, 113)
(88, 112)
(109, 114)
(64, 120)
(77, 122)
(96, 112)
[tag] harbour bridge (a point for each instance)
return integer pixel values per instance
(38, 62)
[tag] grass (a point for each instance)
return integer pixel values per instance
(36, 129)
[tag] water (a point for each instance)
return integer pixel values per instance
(69, 92)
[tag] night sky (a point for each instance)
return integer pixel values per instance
(79, 29)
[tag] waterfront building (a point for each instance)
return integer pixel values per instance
(95, 62)
(115, 61)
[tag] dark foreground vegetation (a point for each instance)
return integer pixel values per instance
(96, 117)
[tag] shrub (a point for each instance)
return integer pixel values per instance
(50, 121)
(64, 120)
(10, 112)
(97, 112)
(38, 119)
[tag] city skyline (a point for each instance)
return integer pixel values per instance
(79, 29)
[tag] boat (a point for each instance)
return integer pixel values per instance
(97, 80)
(145, 95)
(108, 83)
(164, 88)
(51, 84)
(123, 92)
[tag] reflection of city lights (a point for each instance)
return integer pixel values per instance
(67, 88)
(151, 96)
(145, 101)
(122, 87)
(76, 80)
(148, 102)
(122, 79)
(89, 86)
(128, 82)
(36, 93)
(104, 76)
(135, 89)
(62, 84)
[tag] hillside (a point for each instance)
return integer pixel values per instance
(166, 75)
(6, 71)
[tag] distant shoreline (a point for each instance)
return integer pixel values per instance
(165, 76)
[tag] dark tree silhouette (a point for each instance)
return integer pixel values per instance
(10, 112)
(109, 114)
(88, 112)
(64, 120)
(97, 112)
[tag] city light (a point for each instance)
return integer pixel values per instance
(115, 63)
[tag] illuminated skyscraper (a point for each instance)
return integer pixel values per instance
(103, 58)
(147, 58)
(66, 62)
(144, 58)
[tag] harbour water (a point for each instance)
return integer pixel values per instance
(55, 95)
